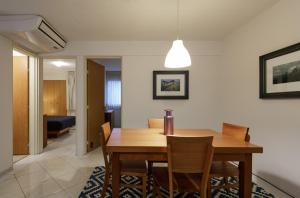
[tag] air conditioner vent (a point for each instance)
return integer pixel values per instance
(31, 32)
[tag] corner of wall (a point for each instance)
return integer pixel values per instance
(6, 113)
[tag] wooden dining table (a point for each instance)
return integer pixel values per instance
(151, 144)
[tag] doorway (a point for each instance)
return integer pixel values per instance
(113, 90)
(20, 105)
(59, 101)
(103, 97)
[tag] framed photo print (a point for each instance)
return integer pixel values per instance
(170, 84)
(279, 73)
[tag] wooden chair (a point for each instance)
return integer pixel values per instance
(130, 168)
(154, 123)
(189, 161)
(226, 169)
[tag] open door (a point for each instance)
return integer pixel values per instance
(95, 102)
(20, 105)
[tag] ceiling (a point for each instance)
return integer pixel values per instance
(49, 67)
(115, 20)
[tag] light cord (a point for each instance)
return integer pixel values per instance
(178, 19)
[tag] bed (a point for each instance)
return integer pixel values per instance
(59, 125)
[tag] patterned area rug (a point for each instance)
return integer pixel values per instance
(93, 188)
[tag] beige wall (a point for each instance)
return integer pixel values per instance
(6, 146)
(274, 124)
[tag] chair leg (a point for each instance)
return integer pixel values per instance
(226, 184)
(208, 191)
(144, 186)
(106, 182)
(171, 195)
(203, 194)
(150, 166)
(156, 190)
(148, 184)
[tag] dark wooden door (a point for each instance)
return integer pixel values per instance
(95, 103)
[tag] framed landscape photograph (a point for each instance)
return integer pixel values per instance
(170, 84)
(279, 73)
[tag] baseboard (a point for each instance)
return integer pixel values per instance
(4, 172)
(275, 188)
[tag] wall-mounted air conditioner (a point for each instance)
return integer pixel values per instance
(31, 32)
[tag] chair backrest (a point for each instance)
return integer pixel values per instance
(156, 123)
(190, 155)
(247, 139)
(236, 131)
(104, 136)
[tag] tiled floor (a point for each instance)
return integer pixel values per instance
(17, 158)
(55, 173)
(58, 173)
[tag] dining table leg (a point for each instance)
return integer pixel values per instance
(245, 177)
(116, 175)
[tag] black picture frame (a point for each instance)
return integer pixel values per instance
(162, 94)
(263, 85)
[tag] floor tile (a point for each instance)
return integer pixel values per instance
(26, 168)
(13, 195)
(33, 179)
(7, 175)
(60, 194)
(10, 188)
(17, 158)
(42, 189)
(56, 166)
(75, 190)
(71, 178)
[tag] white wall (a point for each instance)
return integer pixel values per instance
(139, 59)
(63, 75)
(274, 124)
(51, 72)
(197, 112)
(6, 131)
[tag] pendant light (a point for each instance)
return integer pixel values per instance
(178, 56)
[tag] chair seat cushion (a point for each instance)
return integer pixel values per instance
(138, 167)
(220, 168)
(183, 182)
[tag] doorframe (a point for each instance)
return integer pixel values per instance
(35, 118)
(81, 96)
(33, 102)
(41, 82)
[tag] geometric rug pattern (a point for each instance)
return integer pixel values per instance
(93, 188)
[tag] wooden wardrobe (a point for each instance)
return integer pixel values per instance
(55, 97)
